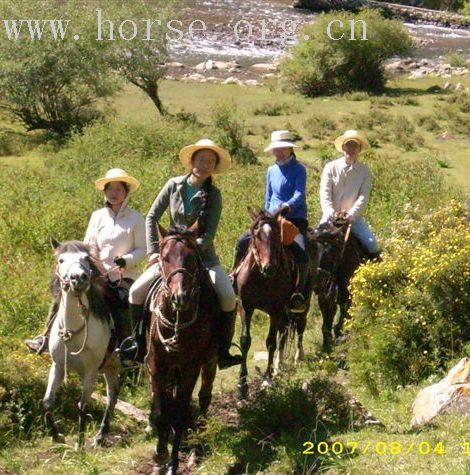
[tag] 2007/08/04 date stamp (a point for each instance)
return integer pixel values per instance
(382, 448)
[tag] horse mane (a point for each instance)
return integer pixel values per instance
(181, 230)
(263, 216)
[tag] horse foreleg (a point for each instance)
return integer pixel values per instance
(111, 375)
(328, 310)
(181, 416)
(245, 343)
(271, 347)
(88, 381)
(300, 324)
(160, 418)
(208, 372)
(283, 334)
(56, 376)
(344, 304)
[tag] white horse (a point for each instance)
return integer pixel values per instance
(80, 336)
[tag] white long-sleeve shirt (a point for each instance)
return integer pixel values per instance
(122, 235)
(344, 187)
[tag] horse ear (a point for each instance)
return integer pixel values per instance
(252, 213)
(162, 232)
(54, 242)
(194, 228)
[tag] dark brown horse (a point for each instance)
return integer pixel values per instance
(264, 281)
(339, 255)
(182, 341)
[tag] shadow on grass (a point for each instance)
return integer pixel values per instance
(285, 423)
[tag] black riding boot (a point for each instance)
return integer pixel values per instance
(226, 329)
(133, 348)
(298, 303)
(40, 343)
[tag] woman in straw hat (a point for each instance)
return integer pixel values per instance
(345, 187)
(116, 237)
(286, 192)
(189, 198)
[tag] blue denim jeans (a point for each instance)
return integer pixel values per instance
(364, 234)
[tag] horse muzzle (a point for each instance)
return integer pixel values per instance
(181, 301)
(77, 282)
(269, 271)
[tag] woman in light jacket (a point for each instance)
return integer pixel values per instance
(189, 198)
(116, 237)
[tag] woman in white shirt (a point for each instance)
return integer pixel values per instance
(116, 237)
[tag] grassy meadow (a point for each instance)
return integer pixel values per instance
(48, 190)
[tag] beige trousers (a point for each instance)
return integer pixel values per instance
(222, 285)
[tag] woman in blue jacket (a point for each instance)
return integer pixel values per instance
(285, 191)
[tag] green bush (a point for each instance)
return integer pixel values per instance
(319, 65)
(410, 312)
(229, 131)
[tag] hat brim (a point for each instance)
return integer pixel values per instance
(340, 141)
(224, 163)
(280, 144)
(131, 181)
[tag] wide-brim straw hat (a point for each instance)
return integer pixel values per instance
(351, 135)
(280, 139)
(117, 174)
(187, 153)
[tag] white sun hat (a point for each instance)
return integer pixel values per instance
(280, 139)
(351, 135)
(187, 153)
(117, 174)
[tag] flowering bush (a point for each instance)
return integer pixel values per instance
(410, 312)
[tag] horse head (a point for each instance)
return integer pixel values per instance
(180, 263)
(266, 242)
(329, 237)
(75, 268)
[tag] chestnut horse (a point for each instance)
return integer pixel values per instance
(182, 341)
(265, 281)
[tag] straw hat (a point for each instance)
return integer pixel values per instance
(117, 174)
(280, 139)
(187, 153)
(351, 135)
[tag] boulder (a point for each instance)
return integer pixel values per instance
(252, 82)
(450, 394)
(174, 64)
(264, 67)
(233, 80)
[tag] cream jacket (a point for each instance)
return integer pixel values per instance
(344, 187)
(122, 235)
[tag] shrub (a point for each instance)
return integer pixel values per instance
(410, 312)
(229, 131)
(319, 65)
(276, 109)
(319, 126)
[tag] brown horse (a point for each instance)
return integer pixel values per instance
(264, 281)
(339, 255)
(182, 341)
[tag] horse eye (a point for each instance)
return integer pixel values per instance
(61, 261)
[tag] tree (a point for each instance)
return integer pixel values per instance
(322, 65)
(53, 84)
(142, 61)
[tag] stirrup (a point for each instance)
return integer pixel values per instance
(128, 349)
(301, 302)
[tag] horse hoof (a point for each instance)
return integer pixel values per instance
(98, 440)
(58, 439)
(299, 357)
(267, 382)
(159, 469)
(243, 392)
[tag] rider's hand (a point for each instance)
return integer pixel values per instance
(285, 208)
(120, 262)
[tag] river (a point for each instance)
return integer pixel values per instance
(220, 41)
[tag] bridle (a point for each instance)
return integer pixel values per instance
(171, 343)
(254, 249)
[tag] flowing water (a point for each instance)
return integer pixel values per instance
(265, 41)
